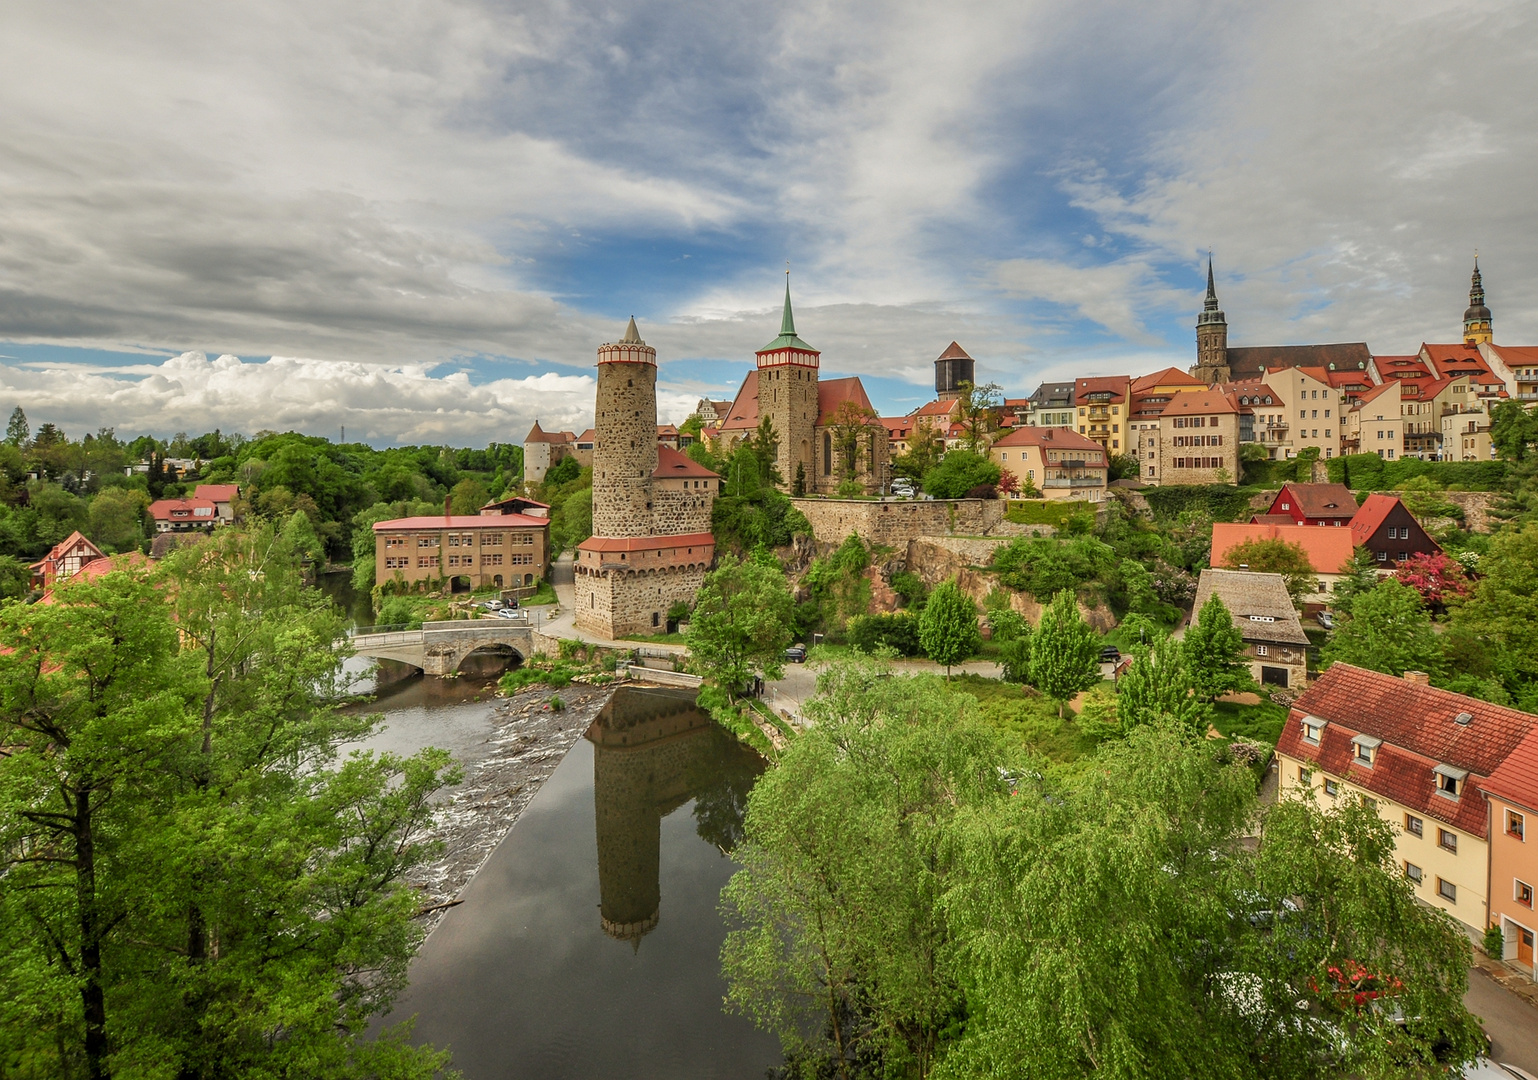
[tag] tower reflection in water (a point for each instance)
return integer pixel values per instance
(653, 752)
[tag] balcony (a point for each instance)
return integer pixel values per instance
(1073, 482)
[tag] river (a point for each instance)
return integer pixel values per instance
(588, 944)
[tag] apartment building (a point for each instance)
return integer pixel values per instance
(1101, 403)
(487, 550)
(1051, 406)
(1375, 424)
(1198, 440)
(1512, 792)
(1149, 395)
(1058, 462)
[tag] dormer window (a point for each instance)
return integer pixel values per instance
(1449, 780)
(1365, 749)
(1312, 729)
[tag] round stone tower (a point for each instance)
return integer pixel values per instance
(625, 437)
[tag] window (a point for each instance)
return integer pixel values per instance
(1522, 892)
(1449, 780)
(1412, 872)
(1306, 776)
(1312, 729)
(655, 618)
(395, 541)
(1261, 650)
(1366, 749)
(426, 560)
(1414, 825)
(1331, 788)
(427, 541)
(1516, 825)
(1447, 840)
(1383, 556)
(1447, 890)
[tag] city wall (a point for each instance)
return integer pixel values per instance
(896, 523)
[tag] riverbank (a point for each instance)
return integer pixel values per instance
(503, 773)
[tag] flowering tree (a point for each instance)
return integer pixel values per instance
(1437, 577)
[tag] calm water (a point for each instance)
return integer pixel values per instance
(589, 944)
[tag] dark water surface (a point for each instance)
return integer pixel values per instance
(589, 943)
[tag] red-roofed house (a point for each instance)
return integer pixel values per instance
(1387, 529)
(183, 515)
(1518, 364)
(1375, 425)
(1148, 396)
(1058, 462)
(223, 497)
(1198, 439)
(1329, 550)
(469, 551)
(98, 568)
(64, 560)
(1102, 404)
(1423, 756)
(1315, 504)
(1512, 792)
(543, 451)
(583, 451)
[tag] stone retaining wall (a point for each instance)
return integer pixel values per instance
(896, 523)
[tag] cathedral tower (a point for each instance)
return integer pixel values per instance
(1211, 338)
(625, 437)
(787, 394)
(953, 368)
(1476, 320)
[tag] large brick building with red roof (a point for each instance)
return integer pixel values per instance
(1424, 757)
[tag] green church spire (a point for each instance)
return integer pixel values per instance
(787, 338)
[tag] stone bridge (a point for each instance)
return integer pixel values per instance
(440, 647)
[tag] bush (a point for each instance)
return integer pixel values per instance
(555, 675)
(1038, 512)
(899, 632)
(556, 704)
(958, 473)
(1369, 472)
(909, 586)
(400, 611)
(1495, 942)
(983, 491)
(1220, 502)
(1045, 567)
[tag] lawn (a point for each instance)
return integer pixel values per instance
(1029, 716)
(658, 639)
(1261, 722)
(1041, 511)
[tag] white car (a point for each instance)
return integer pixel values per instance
(510, 613)
(492, 605)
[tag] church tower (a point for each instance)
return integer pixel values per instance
(787, 394)
(1211, 338)
(625, 437)
(1476, 320)
(953, 368)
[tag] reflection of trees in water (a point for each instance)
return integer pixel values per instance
(721, 793)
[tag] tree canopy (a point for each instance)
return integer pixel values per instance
(1065, 651)
(1387, 630)
(741, 623)
(948, 626)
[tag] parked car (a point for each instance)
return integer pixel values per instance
(1326, 620)
(492, 605)
(1110, 655)
(904, 488)
(796, 654)
(510, 613)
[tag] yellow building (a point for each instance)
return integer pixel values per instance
(1375, 424)
(1056, 461)
(1101, 403)
(464, 551)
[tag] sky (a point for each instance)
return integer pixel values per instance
(417, 219)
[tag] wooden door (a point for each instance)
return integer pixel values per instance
(1524, 946)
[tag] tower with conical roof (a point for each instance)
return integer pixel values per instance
(953, 368)
(625, 436)
(787, 394)
(1211, 338)
(1476, 320)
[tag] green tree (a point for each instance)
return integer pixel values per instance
(1513, 430)
(948, 626)
(741, 623)
(15, 578)
(978, 412)
(925, 449)
(116, 518)
(1214, 652)
(1360, 576)
(959, 472)
(765, 445)
(1065, 653)
(16, 431)
(1504, 610)
(1265, 556)
(468, 496)
(1157, 688)
(1388, 630)
(851, 424)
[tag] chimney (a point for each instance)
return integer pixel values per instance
(1419, 678)
(448, 501)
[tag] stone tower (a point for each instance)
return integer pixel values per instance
(1476, 320)
(625, 437)
(1211, 338)
(953, 368)
(787, 394)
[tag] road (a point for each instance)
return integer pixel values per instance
(1511, 1023)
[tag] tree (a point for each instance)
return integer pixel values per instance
(765, 445)
(959, 472)
(948, 626)
(1504, 609)
(798, 487)
(1438, 578)
(116, 518)
(741, 623)
(1388, 630)
(850, 421)
(1265, 556)
(468, 496)
(17, 432)
(1065, 652)
(925, 449)
(15, 578)
(1360, 576)
(1513, 430)
(1214, 652)
(978, 412)
(1157, 688)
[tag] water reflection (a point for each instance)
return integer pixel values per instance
(526, 977)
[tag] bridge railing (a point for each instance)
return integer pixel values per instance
(398, 637)
(387, 628)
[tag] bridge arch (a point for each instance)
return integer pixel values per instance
(487, 658)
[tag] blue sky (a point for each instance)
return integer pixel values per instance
(433, 214)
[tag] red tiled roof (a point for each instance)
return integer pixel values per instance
(671, 462)
(216, 492)
(590, 435)
(161, 509)
(1115, 385)
(666, 429)
(1370, 515)
(1321, 500)
(1522, 354)
(743, 413)
(1170, 376)
(97, 568)
(59, 550)
(1056, 437)
(463, 521)
(647, 543)
(1199, 401)
(1516, 779)
(831, 393)
(1374, 392)
(1272, 519)
(936, 408)
(1418, 729)
(1329, 550)
(898, 427)
(954, 351)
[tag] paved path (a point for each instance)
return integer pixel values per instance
(1511, 1022)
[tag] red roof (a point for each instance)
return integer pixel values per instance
(97, 568)
(1400, 367)
(1199, 401)
(62, 548)
(1516, 779)
(1320, 500)
(588, 436)
(936, 408)
(744, 410)
(463, 521)
(898, 427)
(1370, 516)
(831, 393)
(672, 463)
(216, 492)
(1059, 438)
(1520, 354)
(166, 510)
(954, 351)
(1373, 392)
(1115, 385)
(1170, 376)
(1329, 550)
(647, 543)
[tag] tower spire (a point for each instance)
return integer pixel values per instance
(1476, 320)
(1211, 303)
(787, 321)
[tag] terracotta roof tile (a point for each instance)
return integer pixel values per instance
(1322, 500)
(672, 463)
(1516, 778)
(831, 393)
(648, 543)
(462, 521)
(1059, 438)
(954, 351)
(1370, 515)
(216, 492)
(1329, 549)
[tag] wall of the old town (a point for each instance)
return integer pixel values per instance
(895, 523)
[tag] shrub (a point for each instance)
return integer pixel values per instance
(899, 632)
(958, 473)
(556, 704)
(909, 586)
(1495, 942)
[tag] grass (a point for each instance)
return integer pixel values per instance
(1029, 716)
(543, 594)
(658, 639)
(1261, 722)
(1041, 511)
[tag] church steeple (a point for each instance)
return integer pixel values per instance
(1476, 320)
(788, 321)
(787, 338)
(1211, 337)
